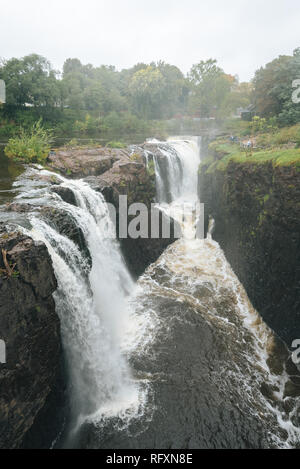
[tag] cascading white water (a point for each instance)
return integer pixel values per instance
(107, 323)
(182, 159)
(193, 264)
(176, 170)
(189, 154)
(98, 327)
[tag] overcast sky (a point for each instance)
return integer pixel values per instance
(241, 34)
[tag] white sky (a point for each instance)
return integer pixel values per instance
(241, 34)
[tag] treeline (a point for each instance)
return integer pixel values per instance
(89, 100)
(273, 89)
(101, 101)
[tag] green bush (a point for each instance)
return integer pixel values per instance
(30, 146)
(288, 135)
(260, 124)
(116, 145)
(264, 140)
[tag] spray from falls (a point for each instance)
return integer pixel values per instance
(132, 347)
(98, 326)
(196, 273)
(176, 169)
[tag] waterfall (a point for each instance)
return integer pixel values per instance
(195, 272)
(188, 152)
(176, 169)
(181, 359)
(98, 326)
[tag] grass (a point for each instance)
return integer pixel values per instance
(114, 144)
(225, 153)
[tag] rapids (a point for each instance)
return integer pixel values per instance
(179, 360)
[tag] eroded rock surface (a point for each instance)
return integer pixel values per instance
(81, 162)
(30, 328)
(257, 214)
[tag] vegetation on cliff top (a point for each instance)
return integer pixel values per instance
(281, 147)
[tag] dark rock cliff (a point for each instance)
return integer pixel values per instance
(257, 213)
(30, 329)
(32, 381)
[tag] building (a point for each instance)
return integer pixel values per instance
(246, 114)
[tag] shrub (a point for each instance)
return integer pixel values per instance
(151, 168)
(30, 146)
(116, 145)
(260, 124)
(264, 140)
(136, 157)
(289, 135)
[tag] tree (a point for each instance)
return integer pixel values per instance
(209, 87)
(146, 89)
(239, 97)
(175, 91)
(30, 80)
(204, 70)
(273, 89)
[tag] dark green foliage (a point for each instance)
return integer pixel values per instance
(146, 100)
(273, 89)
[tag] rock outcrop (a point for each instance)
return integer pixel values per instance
(141, 252)
(257, 214)
(130, 176)
(30, 329)
(81, 162)
(32, 381)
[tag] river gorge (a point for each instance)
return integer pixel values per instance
(138, 343)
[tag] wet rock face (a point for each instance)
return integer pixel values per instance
(66, 194)
(114, 173)
(256, 209)
(142, 252)
(60, 220)
(131, 178)
(31, 330)
(78, 162)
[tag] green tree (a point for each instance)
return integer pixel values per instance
(30, 80)
(146, 89)
(209, 87)
(273, 89)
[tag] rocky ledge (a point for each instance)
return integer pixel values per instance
(81, 162)
(125, 174)
(30, 329)
(257, 214)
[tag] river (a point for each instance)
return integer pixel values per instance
(9, 171)
(180, 359)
